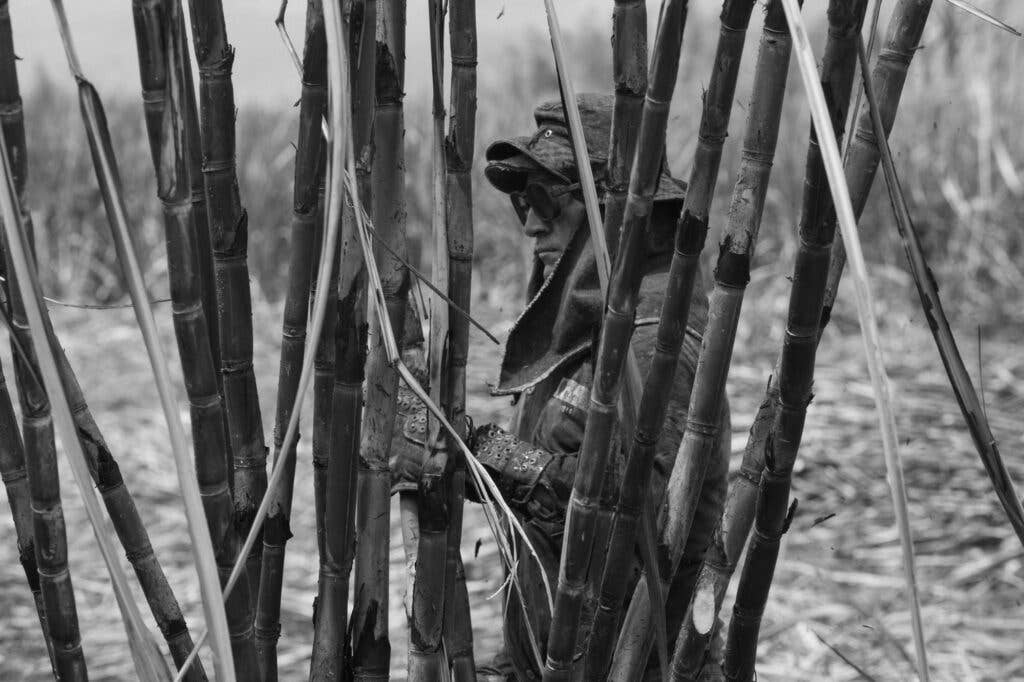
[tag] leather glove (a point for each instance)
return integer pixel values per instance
(408, 442)
(533, 481)
(409, 438)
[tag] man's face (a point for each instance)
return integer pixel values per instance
(551, 237)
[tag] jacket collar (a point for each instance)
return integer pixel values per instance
(563, 318)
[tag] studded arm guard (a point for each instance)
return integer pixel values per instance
(533, 481)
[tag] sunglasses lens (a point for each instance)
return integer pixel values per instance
(541, 201)
(522, 208)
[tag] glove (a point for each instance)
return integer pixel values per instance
(532, 481)
(409, 438)
(408, 442)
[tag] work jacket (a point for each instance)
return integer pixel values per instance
(548, 369)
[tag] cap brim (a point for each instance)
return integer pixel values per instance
(509, 161)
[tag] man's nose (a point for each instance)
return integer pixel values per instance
(535, 227)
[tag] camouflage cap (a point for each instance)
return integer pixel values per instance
(550, 149)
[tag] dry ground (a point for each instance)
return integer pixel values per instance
(838, 590)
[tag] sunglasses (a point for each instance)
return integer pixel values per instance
(540, 199)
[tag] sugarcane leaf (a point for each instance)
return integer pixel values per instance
(967, 397)
(282, 29)
(984, 16)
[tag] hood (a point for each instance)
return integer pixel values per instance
(563, 317)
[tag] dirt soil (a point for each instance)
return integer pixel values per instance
(837, 609)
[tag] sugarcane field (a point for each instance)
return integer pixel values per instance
(511, 340)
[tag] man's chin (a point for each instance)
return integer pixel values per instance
(548, 258)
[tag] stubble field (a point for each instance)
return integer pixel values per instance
(838, 591)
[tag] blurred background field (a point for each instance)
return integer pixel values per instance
(961, 157)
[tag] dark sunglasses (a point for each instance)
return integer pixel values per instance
(539, 198)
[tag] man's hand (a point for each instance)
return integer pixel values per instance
(532, 481)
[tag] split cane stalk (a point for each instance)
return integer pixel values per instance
(229, 236)
(927, 289)
(796, 366)
(689, 242)
(866, 314)
(162, 61)
(308, 165)
(728, 541)
(371, 648)
(616, 332)
(330, 652)
(433, 513)
(458, 629)
(700, 439)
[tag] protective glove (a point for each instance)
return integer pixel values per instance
(408, 442)
(532, 481)
(409, 438)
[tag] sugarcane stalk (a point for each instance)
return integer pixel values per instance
(323, 387)
(338, 74)
(39, 433)
(108, 177)
(15, 477)
(629, 397)
(602, 252)
(866, 315)
(51, 574)
(461, 137)
(434, 494)
(629, 75)
(204, 243)
(889, 74)
(700, 438)
(148, 662)
(158, 27)
(903, 35)
(47, 567)
(330, 652)
(12, 450)
(303, 233)
(332, 205)
(796, 366)
(690, 236)
(229, 237)
(616, 332)
(371, 647)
